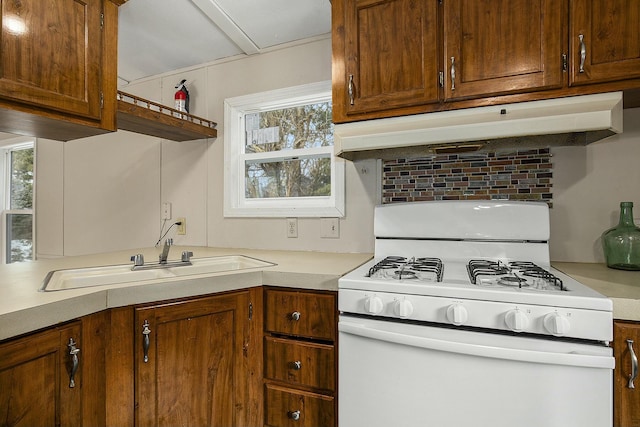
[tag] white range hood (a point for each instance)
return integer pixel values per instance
(576, 120)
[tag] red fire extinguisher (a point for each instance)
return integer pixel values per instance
(181, 97)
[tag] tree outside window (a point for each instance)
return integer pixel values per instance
(18, 204)
(279, 159)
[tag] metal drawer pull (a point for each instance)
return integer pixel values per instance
(350, 89)
(296, 366)
(453, 73)
(634, 364)
(295, 316)
(294, 415)
(75, 362)
(145, 340)
(583, 53)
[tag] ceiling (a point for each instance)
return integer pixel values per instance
(158, 36)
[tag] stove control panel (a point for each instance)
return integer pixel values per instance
(506, 316)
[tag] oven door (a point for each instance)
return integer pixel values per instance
(400, 374)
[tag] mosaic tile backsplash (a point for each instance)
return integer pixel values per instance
(519, 175)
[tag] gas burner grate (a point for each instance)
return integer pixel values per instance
(513, 274)
(409, 268)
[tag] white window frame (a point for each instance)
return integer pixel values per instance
(235, 203)
(6, 147)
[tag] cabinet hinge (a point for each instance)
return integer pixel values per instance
(250, 311)
(101, 99)
(565, 65)
(441, 78)
(101, 20)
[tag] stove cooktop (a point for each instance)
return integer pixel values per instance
(478, 279)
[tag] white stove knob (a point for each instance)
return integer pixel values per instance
(516, 320)
(556, 324)
(457, 314)
(373, 305)
(403, 308)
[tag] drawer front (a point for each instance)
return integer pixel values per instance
(300, 363)
(292, 408)
(302, 314)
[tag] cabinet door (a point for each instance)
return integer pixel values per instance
(626, 400)
(607, 34)
(391, 51)
(35, 380)
(502, 46)
(50, 55)
(192, 374)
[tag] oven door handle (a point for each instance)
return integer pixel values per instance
(531, 356)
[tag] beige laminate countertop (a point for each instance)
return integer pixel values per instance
(623, 287)
(24, 309)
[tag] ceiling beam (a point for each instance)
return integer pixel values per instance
(214, 12)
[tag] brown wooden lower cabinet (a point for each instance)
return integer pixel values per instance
(41, 378)
(288, 407)
(300, 363)
(192, 362)
(626, 400)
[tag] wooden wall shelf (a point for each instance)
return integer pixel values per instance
(139, 115)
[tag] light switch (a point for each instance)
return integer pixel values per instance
(329, 228)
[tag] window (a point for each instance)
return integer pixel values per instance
(279, 155)
(17, 202)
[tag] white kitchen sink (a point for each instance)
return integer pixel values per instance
(59, 280)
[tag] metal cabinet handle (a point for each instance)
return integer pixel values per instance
(634, 364)
(583, 52)
(75, 362)
(145, 340)
(294, 415)
(453, 73)
(297, 365)
(350, 89)
(295, 316)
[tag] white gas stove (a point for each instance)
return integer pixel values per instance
(460, 308)
(475, 264)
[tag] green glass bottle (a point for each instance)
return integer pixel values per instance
(622, 243)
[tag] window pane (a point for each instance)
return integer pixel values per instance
(19, 237)
(289, 178)
(304, 126)
(21, 179)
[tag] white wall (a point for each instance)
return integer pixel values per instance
(588, 185)
(114, 184)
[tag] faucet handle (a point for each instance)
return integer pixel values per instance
(138, 260)
(186, 256)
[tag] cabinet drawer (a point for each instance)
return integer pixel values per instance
(302, 314)
(300, 363)
(286, 407)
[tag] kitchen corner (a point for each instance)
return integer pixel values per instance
(24, 309)
(622, 287)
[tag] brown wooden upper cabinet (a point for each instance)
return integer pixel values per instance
(605, 40)
(400, 57)
(58, 65)
(390, 53)
(494, 47)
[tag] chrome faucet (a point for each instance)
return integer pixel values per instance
(165, 251)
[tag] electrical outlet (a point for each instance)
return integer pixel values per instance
(292, 227)
(329, 228)
(166, 211)
(182, 228)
